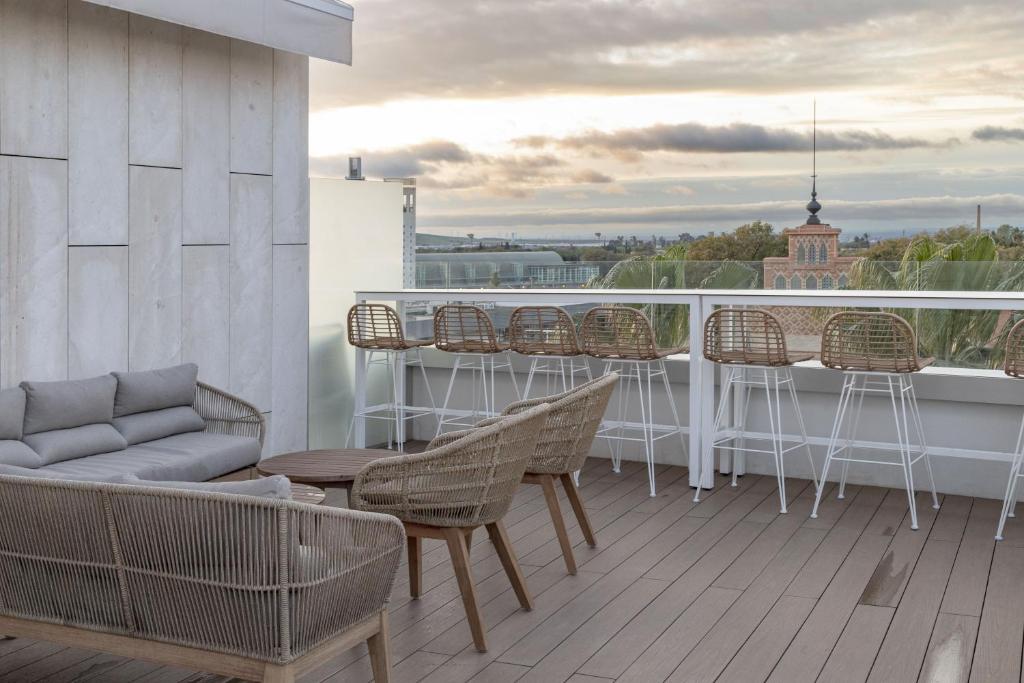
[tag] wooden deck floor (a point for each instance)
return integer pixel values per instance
(726, 590)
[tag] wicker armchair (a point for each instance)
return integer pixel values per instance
(450, 490)
(234, 585)
(870, 342)
(227, 414)
(1014, 366)
(747, 336)
(563, 446)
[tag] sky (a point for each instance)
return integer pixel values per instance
(564, 118)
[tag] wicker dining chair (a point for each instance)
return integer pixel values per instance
(547, 334)
(624, 339)
(377, 329)
(1014, 367)
(877, 353)
(750, 345)
(450, 490)
(573, 419)
(468, 333)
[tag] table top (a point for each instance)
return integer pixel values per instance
(328, 466)
(304, 493)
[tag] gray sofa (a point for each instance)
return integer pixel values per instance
(159, 425)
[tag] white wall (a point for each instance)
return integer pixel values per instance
(153, 204)
(356, 243)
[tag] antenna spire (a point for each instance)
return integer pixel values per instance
(813, 206)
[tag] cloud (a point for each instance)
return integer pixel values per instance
(733, 138)
(417, 160)
(998, 133)
(684, 190)
(591, 176)
(941, 208)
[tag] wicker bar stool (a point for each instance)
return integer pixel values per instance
(377, 329)
(547, 335)
(751, 347)
(1014, 367)
(468, 332)
(878, 354)
(624, 339)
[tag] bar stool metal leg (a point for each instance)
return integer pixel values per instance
(1010, 499)
(851, 430)
(844, 400)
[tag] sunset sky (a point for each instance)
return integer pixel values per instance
(567, 117)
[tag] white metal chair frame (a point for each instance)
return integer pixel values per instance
(555, 368)
(395, 412)
(899, 387)
(482, 400)
(738, 381)
(1010, 499)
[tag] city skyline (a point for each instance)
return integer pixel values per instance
(660, 117)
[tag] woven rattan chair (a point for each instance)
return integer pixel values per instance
(468, 332)
(224, 413)
(377, 330)
(573, 419)
(751, 346)
(1014, 367)
(877, 353)
(239, 586)
(452, 489)
(547, 335)
(624, 339)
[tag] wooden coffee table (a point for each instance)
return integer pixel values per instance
(329, 468)
(304, 493)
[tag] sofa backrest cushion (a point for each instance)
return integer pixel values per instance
(140, 392)
(58, 445)
(12, 412)
(157, 424)
(67, 404)
(266, 487)
(17, 453)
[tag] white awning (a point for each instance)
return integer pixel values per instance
(318, 28)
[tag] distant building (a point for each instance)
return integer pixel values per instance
(468, 269)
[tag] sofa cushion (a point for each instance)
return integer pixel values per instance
(139, 392)
(266, 487)
(59, 445)
(67, 404)
(156, 424)
(196, 456)
(43, 473)
(12, 412)
(17, 453)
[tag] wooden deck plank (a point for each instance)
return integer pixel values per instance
(965, 593)
(854, 653)
(951, 650)
(759, 655)
(997, 655)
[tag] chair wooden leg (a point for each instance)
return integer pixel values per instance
(380, 651)
(547, 483)
(275, 673)
(499, 537)
(573, 493)
(469, 542)
(460, 562)
(415, 552)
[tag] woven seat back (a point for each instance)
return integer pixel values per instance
(461, 328)
(1014, 366)
(549, 330)
(869, 342)
(618, 332)
(375, 326)
(744, 336)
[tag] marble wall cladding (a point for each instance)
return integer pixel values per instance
(206, 154)
(97, 310)
(155, 92)
(291, 164)
(252, 108)
(34, 78)
(291, 346)
(33, 269)
(147, 172)
(154, 268)
(205, 325)
(252, 285)
(98, 125)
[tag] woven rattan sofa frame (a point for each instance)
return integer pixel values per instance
(225, 413)
(436, 496)
(139, 630)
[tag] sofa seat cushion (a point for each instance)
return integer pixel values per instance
(46, 473)
(63, 405)
(17, 453)
(140, 392)
(277, 487)
(59, 445)
(12, 413)
(196, 456)
(157, 424)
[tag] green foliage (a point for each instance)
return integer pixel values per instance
(751, 242)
